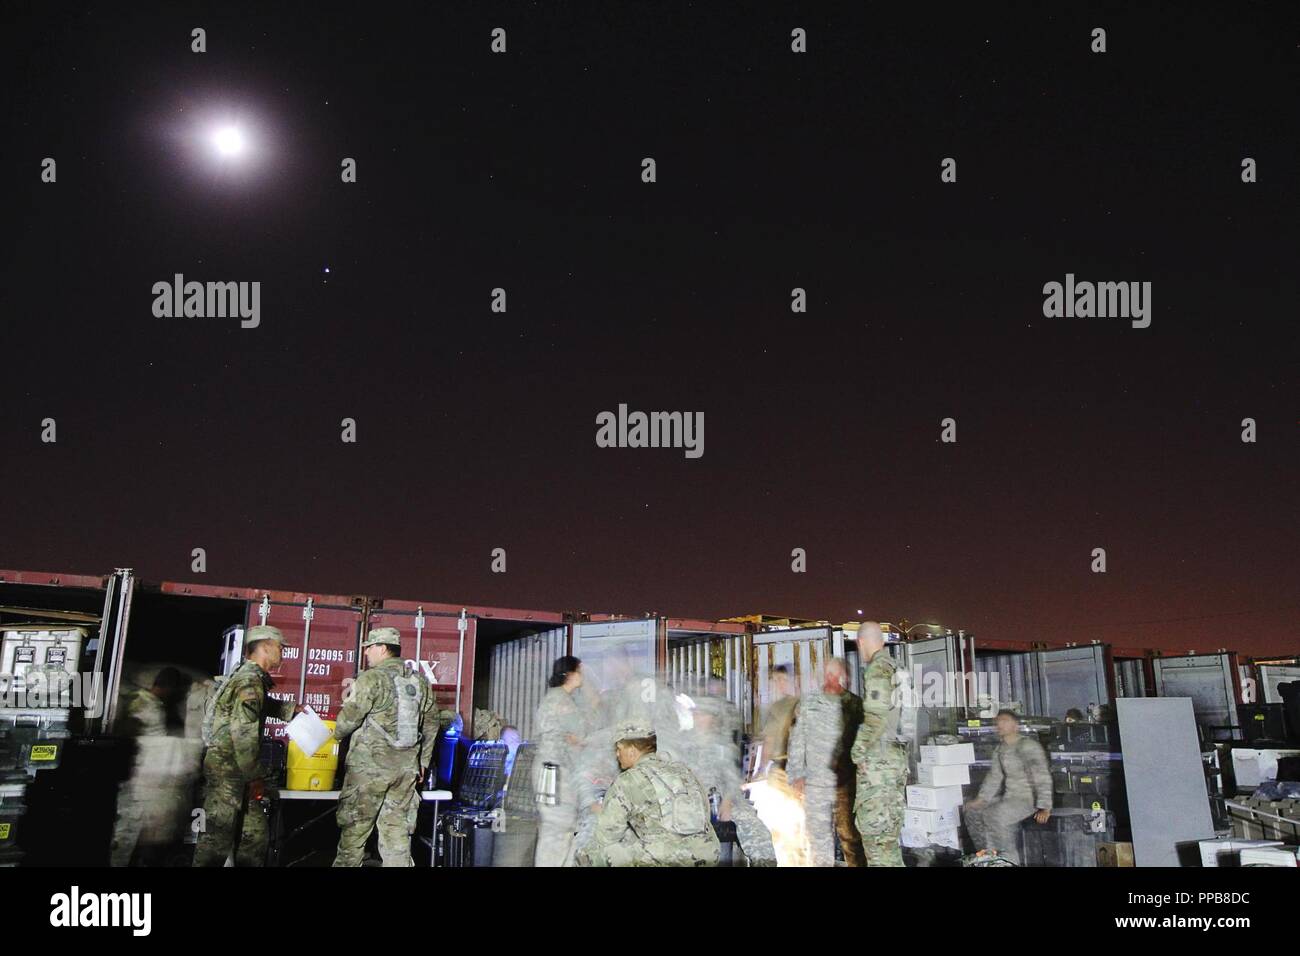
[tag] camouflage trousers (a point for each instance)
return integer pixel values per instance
(829, 811)
(555, 829)
(996, 826)
(879, 805)
(751, 833)
(663, 850)
(231, 822)
(374, 798)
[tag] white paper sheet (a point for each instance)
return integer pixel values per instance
(308, 731)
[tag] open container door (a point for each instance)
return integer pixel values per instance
(1210, 680)
(1073, 678)
(614, 653)
(804, 650)
(711, 658)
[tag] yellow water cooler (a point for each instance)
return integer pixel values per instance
(315, 771)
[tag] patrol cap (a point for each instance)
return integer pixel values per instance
(262, 632)
(383, 635)
(632, 730)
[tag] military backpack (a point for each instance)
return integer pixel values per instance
(683, 809)
(407, 687)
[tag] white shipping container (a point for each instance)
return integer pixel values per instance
(933, 798)
(943, 775)
(945, 754)
(929, 821)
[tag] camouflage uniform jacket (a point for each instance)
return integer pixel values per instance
(241, 709)
(638, 811)
(822, 737)
(874, 734)
(1022, 767)
(374, 699)
(776, 729)
(560, 715)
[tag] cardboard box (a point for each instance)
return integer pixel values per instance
(947, 754)
(933, 798)
(1269, 856)
(916, 838)
(943, 775)
(1228, 852)
(928, 821)
(1115, 854)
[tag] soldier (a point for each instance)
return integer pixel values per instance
(1020, 773)
(232, 816)
(713, 755)
(820, 770)
(562, 725)
(596, 771)
(142, 825)
(655, 813)
(392, 716)
(880, 755)
(780, 718)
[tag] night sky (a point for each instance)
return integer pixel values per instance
(476, 430)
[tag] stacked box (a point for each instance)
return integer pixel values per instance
(1228, 852)
(933, 815)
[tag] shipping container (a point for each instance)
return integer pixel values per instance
(1213, 683)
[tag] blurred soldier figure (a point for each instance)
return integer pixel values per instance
(820, 769)
(714, 757)
(233, 819)
(880, 755)
(655, 813)
(392, 716)
(146, 802)
(1019, 785)
(562, 726)
(780, 718)
(597, 770)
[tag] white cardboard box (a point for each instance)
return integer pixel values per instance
(1269, 856)
(943, 775)
(945, 754)
(933, 798)
(1221, 852)
(929, 821)
(916, 838)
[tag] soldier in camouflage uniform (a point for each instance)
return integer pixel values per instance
(234, 786)
(1021, 776)
(880, 755)
(563, 722)
(597, 769)
(655, 813)
(392, 745)
(819, 768)
(713, 754)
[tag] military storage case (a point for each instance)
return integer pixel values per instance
(39, 664)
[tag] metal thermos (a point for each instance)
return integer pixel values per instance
(715, 803)
(549, 786)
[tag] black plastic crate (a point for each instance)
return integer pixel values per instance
(1068, 838)
(1082, 736)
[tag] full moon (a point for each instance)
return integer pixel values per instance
(229, 141)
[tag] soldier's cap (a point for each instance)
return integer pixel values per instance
(632, 730)
(262, 632)
(383, 635)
